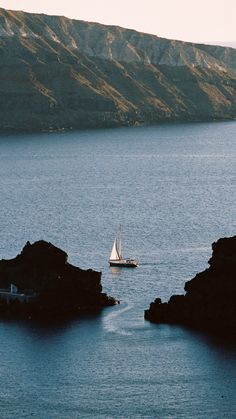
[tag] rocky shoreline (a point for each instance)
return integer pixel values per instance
(210, 300)
(40, 282)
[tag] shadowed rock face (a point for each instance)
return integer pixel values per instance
(42, 270)
(210, 299)
(57, 73)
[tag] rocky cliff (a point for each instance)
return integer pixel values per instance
(40, 281)
(210, 299)
(57, 73)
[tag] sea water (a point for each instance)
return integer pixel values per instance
(173, 189)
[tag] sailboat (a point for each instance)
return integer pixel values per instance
(116, 257)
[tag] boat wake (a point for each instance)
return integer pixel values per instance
(111, 322)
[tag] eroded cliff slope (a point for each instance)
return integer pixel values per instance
(58, 73)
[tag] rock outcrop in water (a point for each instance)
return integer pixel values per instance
(210, 299)
(40, 281)
(57, 73)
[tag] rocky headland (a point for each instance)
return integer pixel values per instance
(59, 74)
(41, 282)
(210, 300)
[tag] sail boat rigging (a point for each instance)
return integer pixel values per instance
(116, 257)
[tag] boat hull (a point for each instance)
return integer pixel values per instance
(125, 263)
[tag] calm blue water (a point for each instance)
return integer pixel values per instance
(173, 188)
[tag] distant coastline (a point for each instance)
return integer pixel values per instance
(34, 130)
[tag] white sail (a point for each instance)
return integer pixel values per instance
(116, 258)
(114, 252)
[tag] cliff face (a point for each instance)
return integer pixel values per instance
(44, 283)
(210, 300)
(58, 73)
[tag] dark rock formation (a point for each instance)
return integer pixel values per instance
(210, 299)
(40, 281)
(57, 73)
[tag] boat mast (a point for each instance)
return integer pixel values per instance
(120, 242)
